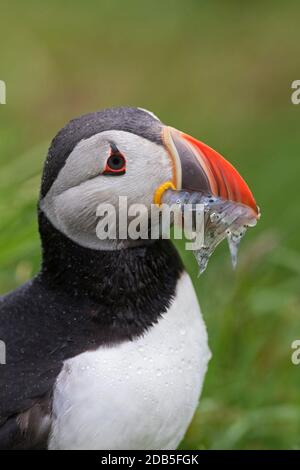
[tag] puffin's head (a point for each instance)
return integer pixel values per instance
(126, 152)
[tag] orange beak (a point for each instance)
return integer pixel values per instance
(197, 167)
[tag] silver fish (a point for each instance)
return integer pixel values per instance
(222, 219)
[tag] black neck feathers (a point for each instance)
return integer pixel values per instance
(128, 290)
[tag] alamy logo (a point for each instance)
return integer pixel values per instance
(296, 94)
(2, 92)
(295, 358)
(140, 222)
(2, 353)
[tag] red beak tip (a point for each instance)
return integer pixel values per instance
(225, 180)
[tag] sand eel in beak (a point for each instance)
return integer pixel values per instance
(106, 346)
(201, 176)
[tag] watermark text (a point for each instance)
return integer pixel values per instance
(295, 97)
(2, 92)
(2, 353)
(295, 358)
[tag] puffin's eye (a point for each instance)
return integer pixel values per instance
(116, 163)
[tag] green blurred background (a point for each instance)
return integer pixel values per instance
(222, 71)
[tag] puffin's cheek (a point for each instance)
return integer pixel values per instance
(75, 210)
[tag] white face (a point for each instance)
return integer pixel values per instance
(81, 186)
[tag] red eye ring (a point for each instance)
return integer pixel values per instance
(116, 164)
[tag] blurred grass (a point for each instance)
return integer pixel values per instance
(221, 71)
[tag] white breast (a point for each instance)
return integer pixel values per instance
(137, 395)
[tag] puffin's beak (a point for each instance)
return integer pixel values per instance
(197, 167)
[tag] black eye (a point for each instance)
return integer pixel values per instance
(116, 164)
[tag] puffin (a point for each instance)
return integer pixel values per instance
(106, 347)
